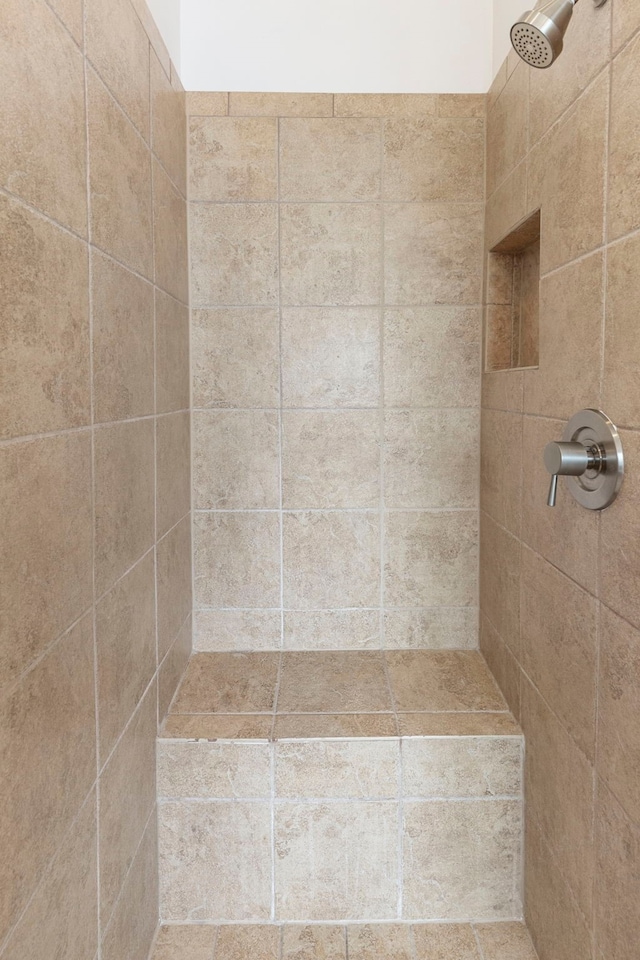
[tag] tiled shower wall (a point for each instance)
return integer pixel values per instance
(560, 600)
(94, 469)
(336, 260)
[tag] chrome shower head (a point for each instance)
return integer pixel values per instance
(537, 37)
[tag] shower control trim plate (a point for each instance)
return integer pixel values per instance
(590, 456)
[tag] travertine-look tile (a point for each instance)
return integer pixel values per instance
(131, 771)
(508, 206)
(622, 339)
(45, 348)
(168, 125)
(462, 767)
(120, 183)
(385, 105)
(329, 253)
(462, 104)
(331, 160)
(281, 104)
(70, 12)
(234, 254)
(345, 546)
(235, 358)
(442, 941)
(126, 650)
(431, 458)
(500, 581)
(236, 462)
(370, 941)
(331, 630)
(337, 726)
(224, 867)
(507, 128)
(623, 194)
(118, 47)
(170, 236)
(433, 159)
(124, 491)
(501, 468)
(461, 859)
(207, 104)
(47, 755)
(502, 663)
(330, 459)
(172, 668)
(620, 547)
(439, 680)
(218, 726)
(331, 357)
(172, 354)
(239, 630)
(173, 554)
(458, 724)
(350, 770)
(431, 558)
(626, 20)
(42, 114)
(336, 681)
(229, 683)
(559, 792)
(618, 719)
(237, 559)
(45, 550)
(173, 461)
(72, 932)
(559, 639)
(502, 390)
(433, 253)
(188, 942)
(617, 923)
(233, 158)
(313, 942)
(453, 628)
(336, 860)
(432, 356)
(122, 306)
(213, 770)
(505, 941)
(238, 942)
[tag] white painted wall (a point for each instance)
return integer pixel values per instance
(505, 14)
(166, 14)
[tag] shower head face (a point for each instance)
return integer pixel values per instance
(537, 37)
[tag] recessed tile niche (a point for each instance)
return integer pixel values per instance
(513, 297)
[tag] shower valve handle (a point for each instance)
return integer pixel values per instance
(569, 459)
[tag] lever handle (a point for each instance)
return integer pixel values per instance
(553, 491)
(568, 459)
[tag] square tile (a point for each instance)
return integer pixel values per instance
(173, 470)
(442, 680)
(330, 160)
(443, 941)
(233, 158)
(333, 682)
(348, 770)
(371, 941)
(229, 683)
(433, 159)
(237, 559)
(313, 942)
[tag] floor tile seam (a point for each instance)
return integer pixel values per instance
(284, 800)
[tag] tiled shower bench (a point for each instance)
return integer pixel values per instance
(340, 787)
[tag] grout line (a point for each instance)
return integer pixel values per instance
(478, 943)
(280, 396)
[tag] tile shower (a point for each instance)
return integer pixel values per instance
(337, 750)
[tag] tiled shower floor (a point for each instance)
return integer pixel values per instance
(338, 694)
(484, 941)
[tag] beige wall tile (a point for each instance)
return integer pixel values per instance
(130, 771)
(622, 340)
(48, 757)
(213, 770)
(620, 548)
(433, 159)
(120, 183)
(462, 104)
(502, 390)
(45, 929)
(432, 356)
(237, 559)
(331, 357)
(391, 940)
(170, 236)
(500, 580)
(507, 128)
(503, 665)
(172, 354)
(172, 668)
(173, 469)
(460, 859)
(314, 942)
(70, 12)
(189, 942)
(351, 769)
(508, 205)
(218, 726)
(330, 253)
(348, 726)
(331, 630)
(559, 792)
(462, 767)
(431, 458)
(617, 884)
(624, 195)
(431, 628)
(118, 47)
(626, 20)
(43, 156)
(385, 105)
(501, 468)
(233, 158)
(336, 860)
(122, 306)
(438, 941)
(173, 554)
(502, 940)
(45, 550)
(559, 639)
(431, 558)
(168, 125)
(330, 459)
(433, 253)
(224, 871)
(235, 358)
(345, 546)
(281, 104)
(442, 681)
(237, 941)
(238, 630)
(126, 650)
(618, 751)
(236, 463)
(207, 104)
(331, 160)
(336, 681)
(124, 490)
(45, 349)
(233, 254)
